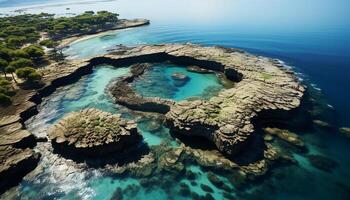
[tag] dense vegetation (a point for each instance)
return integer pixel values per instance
(23, 37)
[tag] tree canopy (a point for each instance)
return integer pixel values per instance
(22, 38)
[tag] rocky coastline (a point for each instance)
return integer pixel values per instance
(225, 119)
(121, 24)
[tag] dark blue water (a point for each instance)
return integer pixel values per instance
(313, 37)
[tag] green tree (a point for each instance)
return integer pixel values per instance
(3, 65)
(16, 41)
(35, 52)
(11, 70)
(49, 43)
(19, 53)
(21, 62)
(5, 53)
(28, 73)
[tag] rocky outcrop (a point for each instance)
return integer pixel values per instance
(15, 163)
(16, 157)
(124, 95)
(92, 132)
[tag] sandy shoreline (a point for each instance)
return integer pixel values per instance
(123, 24)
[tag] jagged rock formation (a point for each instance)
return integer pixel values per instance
(92, 132)
(16, 157)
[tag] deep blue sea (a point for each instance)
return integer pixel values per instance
(312, 37)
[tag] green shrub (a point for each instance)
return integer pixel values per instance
(34, 76)
(24, 72)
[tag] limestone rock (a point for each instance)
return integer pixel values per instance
(15, 163)
(93, 132)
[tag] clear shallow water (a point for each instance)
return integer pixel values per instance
(158, 82)
(317, 47)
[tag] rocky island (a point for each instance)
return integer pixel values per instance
(92, 132)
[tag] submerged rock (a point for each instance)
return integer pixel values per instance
(285, 135)
(92, 132)
(345, 131)
(206, 188)
(321, 124)
(214, 179)
(180, 79)
(322, 163)
(184, 190)
(117, 194)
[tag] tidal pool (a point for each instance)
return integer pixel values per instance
(157, 81)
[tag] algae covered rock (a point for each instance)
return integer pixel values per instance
(93, 132)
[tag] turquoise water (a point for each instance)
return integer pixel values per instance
(315, 42)
(158, 82)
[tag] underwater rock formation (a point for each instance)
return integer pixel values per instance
(92, 132)
(285, 135)
(322, 163)
(345, 131)
(180, 79)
